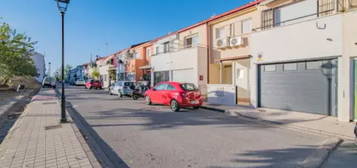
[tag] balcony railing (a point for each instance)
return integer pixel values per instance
(324, 8)
(177, 48)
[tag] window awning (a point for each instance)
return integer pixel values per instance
(235, 58)
(145, 67)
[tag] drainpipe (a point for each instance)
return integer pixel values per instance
(208, 50)
(220, 72)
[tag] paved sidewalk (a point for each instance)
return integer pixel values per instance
(38, 139)
(312, 123)
(7, 100)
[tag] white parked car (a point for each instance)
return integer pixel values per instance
(122, 88)
(80, 82)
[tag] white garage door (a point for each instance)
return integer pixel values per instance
(183, 75)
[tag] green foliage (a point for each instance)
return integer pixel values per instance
(95, 74)
(15, 54)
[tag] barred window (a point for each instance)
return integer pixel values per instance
(326, 7)
(268, 19)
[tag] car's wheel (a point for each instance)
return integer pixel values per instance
(90, 87)
(196, 107)
(148, 100)
(119, 94)
(175, 107)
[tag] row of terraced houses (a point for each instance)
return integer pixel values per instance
(295, 55)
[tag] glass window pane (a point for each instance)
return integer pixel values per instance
(313, 65)
(247, 26)
(219, 32)
(290, 67)
(170, 87)
(269, 68)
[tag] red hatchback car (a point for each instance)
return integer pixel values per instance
(93, 84)
(175, 94)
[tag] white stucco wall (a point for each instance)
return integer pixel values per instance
(313, 39)
(346, 89)
(39, 61)
(171, 38)
(310, 39)
(179, 60)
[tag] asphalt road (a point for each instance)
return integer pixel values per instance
(154, 137)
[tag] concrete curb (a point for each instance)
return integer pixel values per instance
(214, 109)
(321, 155)
(80, 136)
(92, 159)
(281, 124)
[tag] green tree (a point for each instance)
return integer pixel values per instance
(15, 54)
(58, 72)
(95, 74)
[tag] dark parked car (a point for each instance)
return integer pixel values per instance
(139, 91)
(49, 82)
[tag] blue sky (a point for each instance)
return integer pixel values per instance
(102, 27)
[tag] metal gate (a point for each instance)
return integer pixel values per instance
(308, 86)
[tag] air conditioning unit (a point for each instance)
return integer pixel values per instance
(222, 42)
(236, 41)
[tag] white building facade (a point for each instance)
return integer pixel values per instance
(303, 58)
(180, 57)
(40, 64)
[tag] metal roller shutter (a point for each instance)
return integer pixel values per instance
(300, 86)
(183, 75)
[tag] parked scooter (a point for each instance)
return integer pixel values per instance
(139, 91)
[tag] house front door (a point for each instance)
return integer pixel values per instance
(242, 82)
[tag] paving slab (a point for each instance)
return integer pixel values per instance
(345, 156)
(307, 122)
(38, 139)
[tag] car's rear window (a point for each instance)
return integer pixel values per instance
(188, 87)
(129, 84)
(49, 79)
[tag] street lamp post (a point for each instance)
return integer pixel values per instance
(62, 7)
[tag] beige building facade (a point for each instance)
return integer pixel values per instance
(230, 56)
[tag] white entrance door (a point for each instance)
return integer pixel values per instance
(241, 79)
(241, 76)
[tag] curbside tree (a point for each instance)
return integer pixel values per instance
(15, 54)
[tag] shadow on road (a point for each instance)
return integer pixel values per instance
(273, 158)
(157, 119)
(104, 153)
(107, 157)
